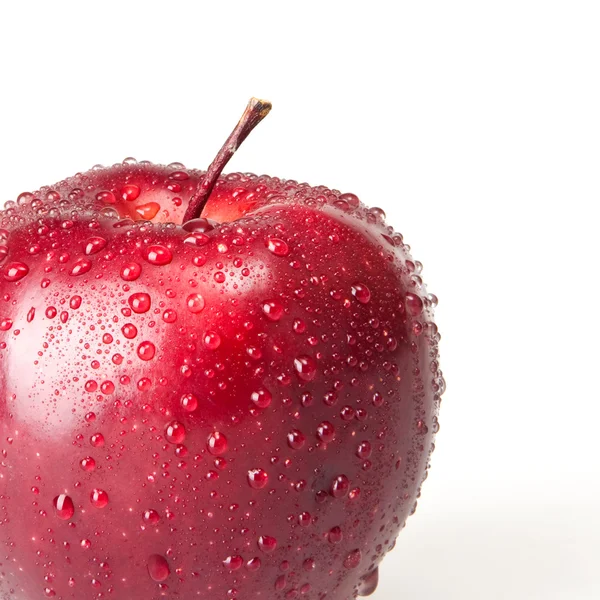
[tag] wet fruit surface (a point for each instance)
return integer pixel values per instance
(242, 407)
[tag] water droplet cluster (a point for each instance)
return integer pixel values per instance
(242, 407)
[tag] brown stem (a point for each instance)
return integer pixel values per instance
(255, 112)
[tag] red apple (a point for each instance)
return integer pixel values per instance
(213, 386)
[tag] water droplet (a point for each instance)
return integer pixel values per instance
(130, 192)
(195, 303)
(189, 402)
(5, 324)
(158, 568)
(146, 350)
(99, 498)
(106, 197)
(140, 302)
(267, 543)
(212, 340)
(353, 559)
(15, 271)
(277, 247)
(262, 398)
(175, 432)
(233, 563)
(280, 583)
(158, 255)
(107, 387)
(97, 440)
(273, 309)
(131, 271)
(148, 211)
(258, 478)
(200, 225)
(296, 439)
(75, 302)
(361, 292)
(169, 316)
(364, 450)
(340, 486)
(306, 367)
(304, 519)
(151, 517)
(369, 583)
(326, 432)
(94, 244)
(414, 304)
(64, 507)
(87, 463)
(299, 326)
(129, 330)
(253, 564)
(217, 443)
(81, 266)
(351, 199)
(335, 535)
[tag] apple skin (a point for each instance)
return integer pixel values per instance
(298, 331)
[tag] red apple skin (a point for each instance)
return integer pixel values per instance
(309, 348)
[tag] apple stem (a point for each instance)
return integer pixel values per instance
(255, 112)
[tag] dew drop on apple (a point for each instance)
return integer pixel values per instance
(64, 507)
(273, 309)
(169, 316)
(364, 450)
(151, 517)
(129, 330)
(140, 302)
(130, 192)
(75, 302)
(361, 292)
(175, 432)
(146, 350)
(200, 225)
(87, 464)
(258, 478)
(99, 498)
(131, 271)
(148, 211)
(305, 367)
(261, 398)
(158, 255)
(414, 304)
(94, 245)
(267, 543)
(369, 583)
(189, 402)
(217, 443)
(335, 535)
(212, 340)
(353, 559)
(296, 439)
(277, 247)
(326, 432)
(80, 267)
(233, 563)
(158, 568)
(195, 303)
(340, 486)
(106, 197)
(97, 440)
(15, 271)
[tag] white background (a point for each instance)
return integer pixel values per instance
(476, 126)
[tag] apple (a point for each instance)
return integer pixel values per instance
(213, 386)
